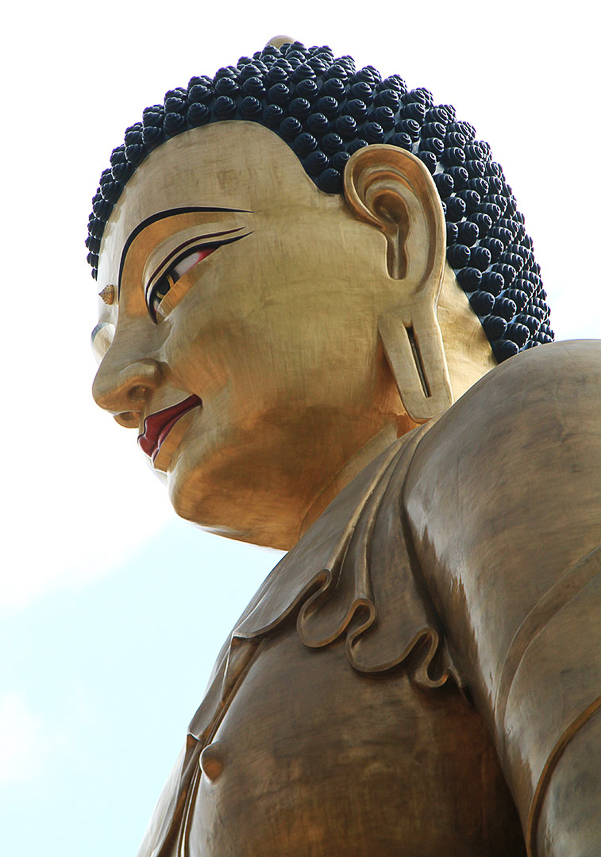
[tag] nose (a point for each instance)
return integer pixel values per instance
(122, 387)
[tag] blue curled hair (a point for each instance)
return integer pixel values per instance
(325, 109)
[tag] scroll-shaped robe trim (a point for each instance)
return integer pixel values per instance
(367, 582)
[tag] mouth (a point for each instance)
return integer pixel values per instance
(157, 426)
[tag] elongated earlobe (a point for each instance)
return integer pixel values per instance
(415, 353)
(391, 189)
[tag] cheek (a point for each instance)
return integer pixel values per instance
(221, 358)
(224, 336)
(195, 361)
(271, 357)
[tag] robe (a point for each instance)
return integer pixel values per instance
(424, 662)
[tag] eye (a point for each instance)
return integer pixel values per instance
(159, 288)
(158, 291)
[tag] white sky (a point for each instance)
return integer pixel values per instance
(108, 603)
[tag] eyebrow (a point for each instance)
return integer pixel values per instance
(161, 215)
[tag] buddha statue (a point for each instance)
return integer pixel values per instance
(321, 313)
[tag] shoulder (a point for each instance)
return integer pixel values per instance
(508, 481)
(562, 373)
(541, 403)
(503, 506)
(533, 386)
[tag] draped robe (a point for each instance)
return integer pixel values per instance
(431, 638)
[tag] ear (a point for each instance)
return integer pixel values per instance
(391, 189)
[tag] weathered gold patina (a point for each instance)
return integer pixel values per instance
(420, 673)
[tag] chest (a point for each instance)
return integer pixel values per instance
(312, 758)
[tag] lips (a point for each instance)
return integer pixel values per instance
(158, 426)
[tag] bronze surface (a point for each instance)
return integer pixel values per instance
(420, 673)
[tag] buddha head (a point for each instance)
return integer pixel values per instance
(298, 262)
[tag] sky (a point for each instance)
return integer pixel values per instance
(112, 610)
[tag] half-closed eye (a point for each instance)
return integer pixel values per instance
(163, 285)
(160, 287)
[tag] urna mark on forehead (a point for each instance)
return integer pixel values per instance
(224, 170)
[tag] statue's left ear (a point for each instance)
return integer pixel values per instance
(391, 189)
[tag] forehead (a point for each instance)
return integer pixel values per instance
(229, 165)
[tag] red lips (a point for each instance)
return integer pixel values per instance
(158, 426)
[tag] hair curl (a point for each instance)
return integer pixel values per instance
(325, 110)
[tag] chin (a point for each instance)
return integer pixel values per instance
(235, 493)
(256, 481)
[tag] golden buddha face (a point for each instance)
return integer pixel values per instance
(242, 342)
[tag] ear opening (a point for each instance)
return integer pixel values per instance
(394, 214)
(392, 190)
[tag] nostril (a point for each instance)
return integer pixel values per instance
(137, 393)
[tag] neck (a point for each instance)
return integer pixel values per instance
(381, 441)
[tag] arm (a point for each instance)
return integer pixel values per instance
(504, 503)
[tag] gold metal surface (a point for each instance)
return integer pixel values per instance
(515, 578)
(108, 295)
(392, 190)
(278, 41)
(420, 673)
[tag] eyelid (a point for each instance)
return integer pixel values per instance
(174, 294)
(170, 261)
(189, 260)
